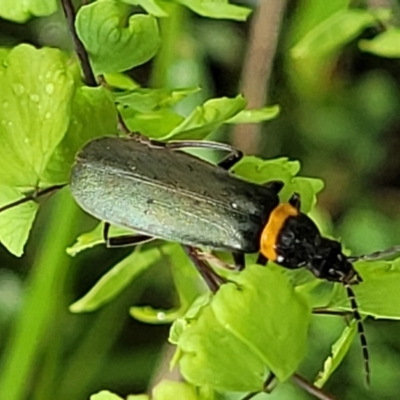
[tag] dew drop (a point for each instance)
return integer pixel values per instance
(34, 97)
(48, 115)
(160, 316)
(18, 89)
(49, 88)
(6, 104)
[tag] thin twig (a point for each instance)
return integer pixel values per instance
(33, 196)
(250, 395)
(257, 68)
(310, 388)
(88, 74)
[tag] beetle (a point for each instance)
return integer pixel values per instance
(161, 192)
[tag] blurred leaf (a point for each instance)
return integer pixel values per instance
(116, 280)
(35, 112)
(360, 229)
(255, 115)
(105, 395)
(113, 46)
(339, 351)
(333, 33)
(94, 237)
(220, 9)
(153, 7)
(251, 337)
(21, 10)
(385, 44)
(311, 13)
(207, 118)
(146, 100)
(15, 223)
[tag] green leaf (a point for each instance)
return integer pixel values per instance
(385, 45)
(154, 124)
(22, 10)
(105, 395)
(116, 280)
(34, 112)
(152, 7)
(255, 116)
(333, 33)
(94, 237)
(145, 100)
(186, 281)
(220, 9)
(170, 390)
(308, 188)
(207, 118)
(261, 171)
(15, 223)
(193, 312)
(272, 336)
(120, 81)
(339, 351)
(378, 294)
(113, 46)
(93, 114)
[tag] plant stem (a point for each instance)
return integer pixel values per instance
(38, 312)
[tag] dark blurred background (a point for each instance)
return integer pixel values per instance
(340, 116)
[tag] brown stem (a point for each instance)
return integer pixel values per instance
(33, 196)
(257, 67)
(310, 388)
(88, 74)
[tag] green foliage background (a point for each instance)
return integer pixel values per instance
(336, 82)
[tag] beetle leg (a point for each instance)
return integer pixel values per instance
(275, 186)
(212, 280)
(231, 159)
(228, 162)
(295, 201)
(261, 260)
(239, 260)
(378, 255)
(124, 240)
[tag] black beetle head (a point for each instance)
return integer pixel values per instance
(300, 244)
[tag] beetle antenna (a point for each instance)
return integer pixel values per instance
(30, 197)
(361, 332)
(378, 255)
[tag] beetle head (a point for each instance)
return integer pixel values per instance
(300, 244)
